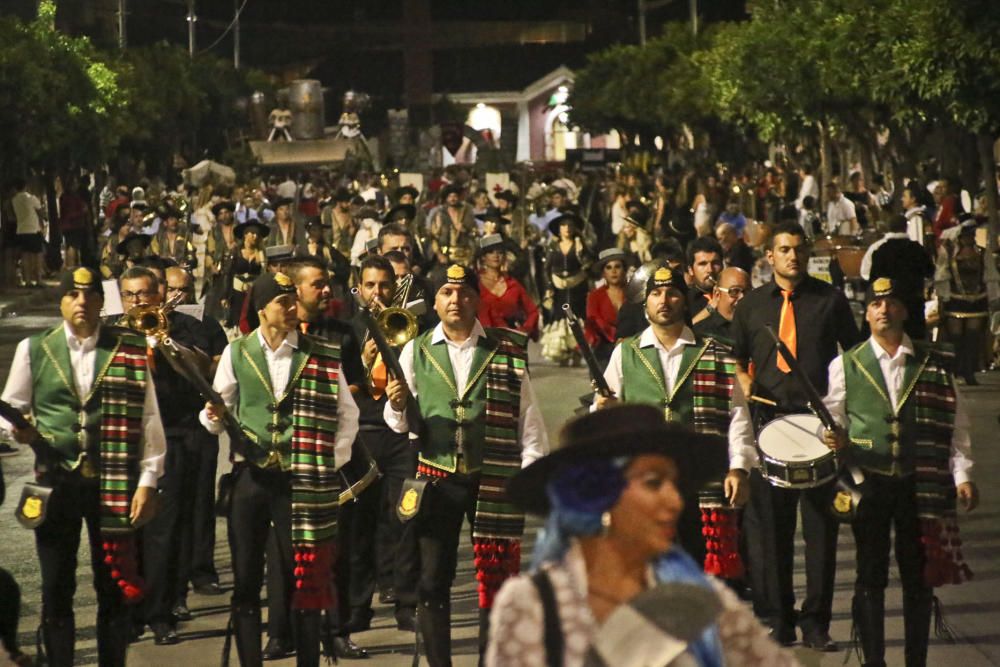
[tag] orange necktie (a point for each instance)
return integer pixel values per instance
(786, 330)
(380, 377)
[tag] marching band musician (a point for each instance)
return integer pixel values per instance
(292, 400)
(462, 376)
(888, 427)
(82, 382)
(668, 366)
(811, 317)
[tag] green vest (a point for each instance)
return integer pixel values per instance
(642, 379)
(882, 439)
(452, 424)
(63, 417)
(265, 419)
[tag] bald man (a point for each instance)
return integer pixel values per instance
(717, 317)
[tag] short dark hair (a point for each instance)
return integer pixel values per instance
(793, 228)
(376, 262)
(393, 229)
(808, 202)
(703, 244)
(669, 250)
(396, 256)
(138, 272)
(897, 223)
(294, 269)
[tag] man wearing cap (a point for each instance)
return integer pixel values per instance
(904, 439)
(173, 240)
(692, 380)
(292, 400)
(276, 258)
(453, 229)
(475, 410)
(221, 247)
(94, 406)
(338, 222)
(285, 229)
(129, 250)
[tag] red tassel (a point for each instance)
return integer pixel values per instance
(120, 555)
(314, 576)
(496, 560)
(720, 528)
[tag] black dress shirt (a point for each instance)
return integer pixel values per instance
(823, 319)
(716, 326)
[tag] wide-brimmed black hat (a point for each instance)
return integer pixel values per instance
(406, 190)
(122, 246)
(507, 196)
(568, 216)
(400, 212)
(623, 430)
(164, 211)
(223, 206)
(342, 194)
(448, 189)
(282, 201)
(493, 215)
(241, 229)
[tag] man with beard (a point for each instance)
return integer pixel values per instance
(397, 238)
(812, 318)
(704, 264)
(338, 222)
(668, 366)
(453, 230)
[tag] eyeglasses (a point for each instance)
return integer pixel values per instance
(734, 292)
(177, 289)
(138, 295)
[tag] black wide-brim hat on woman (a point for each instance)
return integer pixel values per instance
(622, 430)
(572, 218)
(242, 228)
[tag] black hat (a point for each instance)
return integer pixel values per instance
(637, 213)
(507, 196)
(313, 221)
(400, 212)
(406, 190)
(279, 253)
(567, 216)
(460, 275)
(282, 201)
(270, 286)
(224, 205)
(448, 189)
(262, 229)
(493, 215)
(81, 278)
(883, 288)
(133, 236)
(165, 211)
(623, 430)
(342, 194)
(609, 255)
(666, 277)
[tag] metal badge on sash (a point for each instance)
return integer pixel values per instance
(33, 506)
(411, 498)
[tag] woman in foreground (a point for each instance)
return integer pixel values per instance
(618, 591)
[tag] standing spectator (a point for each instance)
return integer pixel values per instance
(948, 208)
(735, 251)
(74, 220)
(841, 216)
(30, 240)
(733, 216)
(808, 186)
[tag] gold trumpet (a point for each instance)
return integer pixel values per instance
(397, 324)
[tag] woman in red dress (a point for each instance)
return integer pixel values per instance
(603, 303)
(503, 301)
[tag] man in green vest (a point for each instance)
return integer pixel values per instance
(94, 407)
(888, 426)
(692, 380)
(295, 409)
(475, 411)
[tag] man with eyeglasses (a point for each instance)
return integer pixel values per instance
(165, 602)
(717, 318)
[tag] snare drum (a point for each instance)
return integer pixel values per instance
(792, 452)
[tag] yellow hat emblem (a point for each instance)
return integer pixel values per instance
(663, 275)
(282, 280)
(456, 272)
(82, 276)
(882, 285)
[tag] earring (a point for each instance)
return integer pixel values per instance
(605, 524)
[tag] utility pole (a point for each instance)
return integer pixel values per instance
(191, 19)
(122, 39)
(693, 6)
(642, 23)
(236, 35)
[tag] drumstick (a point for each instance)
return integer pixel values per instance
(765, 401)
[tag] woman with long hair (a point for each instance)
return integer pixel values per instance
(503, 301)
(604, 302)
(247, 264)
(567, 262)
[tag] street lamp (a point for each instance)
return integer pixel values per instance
(192, 18)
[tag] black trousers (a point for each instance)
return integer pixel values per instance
(378, 554)
(75, 502)
(162, 544)
(198, 536)
(769, 524)
(890, 505)
(439, 525)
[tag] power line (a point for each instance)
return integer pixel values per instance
(229, 28)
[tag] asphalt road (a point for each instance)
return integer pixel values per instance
(973, 609)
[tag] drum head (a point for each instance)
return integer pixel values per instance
(793, 439)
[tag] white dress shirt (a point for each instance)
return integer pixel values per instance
(915, 224)
(530, 427)
(279, 368)
(893, 370)
(742, 452)
(839, 215)
(19, 392)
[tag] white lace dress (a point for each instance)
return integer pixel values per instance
(517, 624)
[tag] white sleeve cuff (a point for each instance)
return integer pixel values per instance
(148, 478)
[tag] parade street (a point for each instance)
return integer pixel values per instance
(970, 610)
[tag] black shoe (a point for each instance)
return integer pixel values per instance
(276, 649)
(783, 635)
(136, 632)
(164, 634)
(819, 640)
(344, 647)
(406, 619)
(387, 595)
(211, 588)
(181, 612)
(360, 620)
